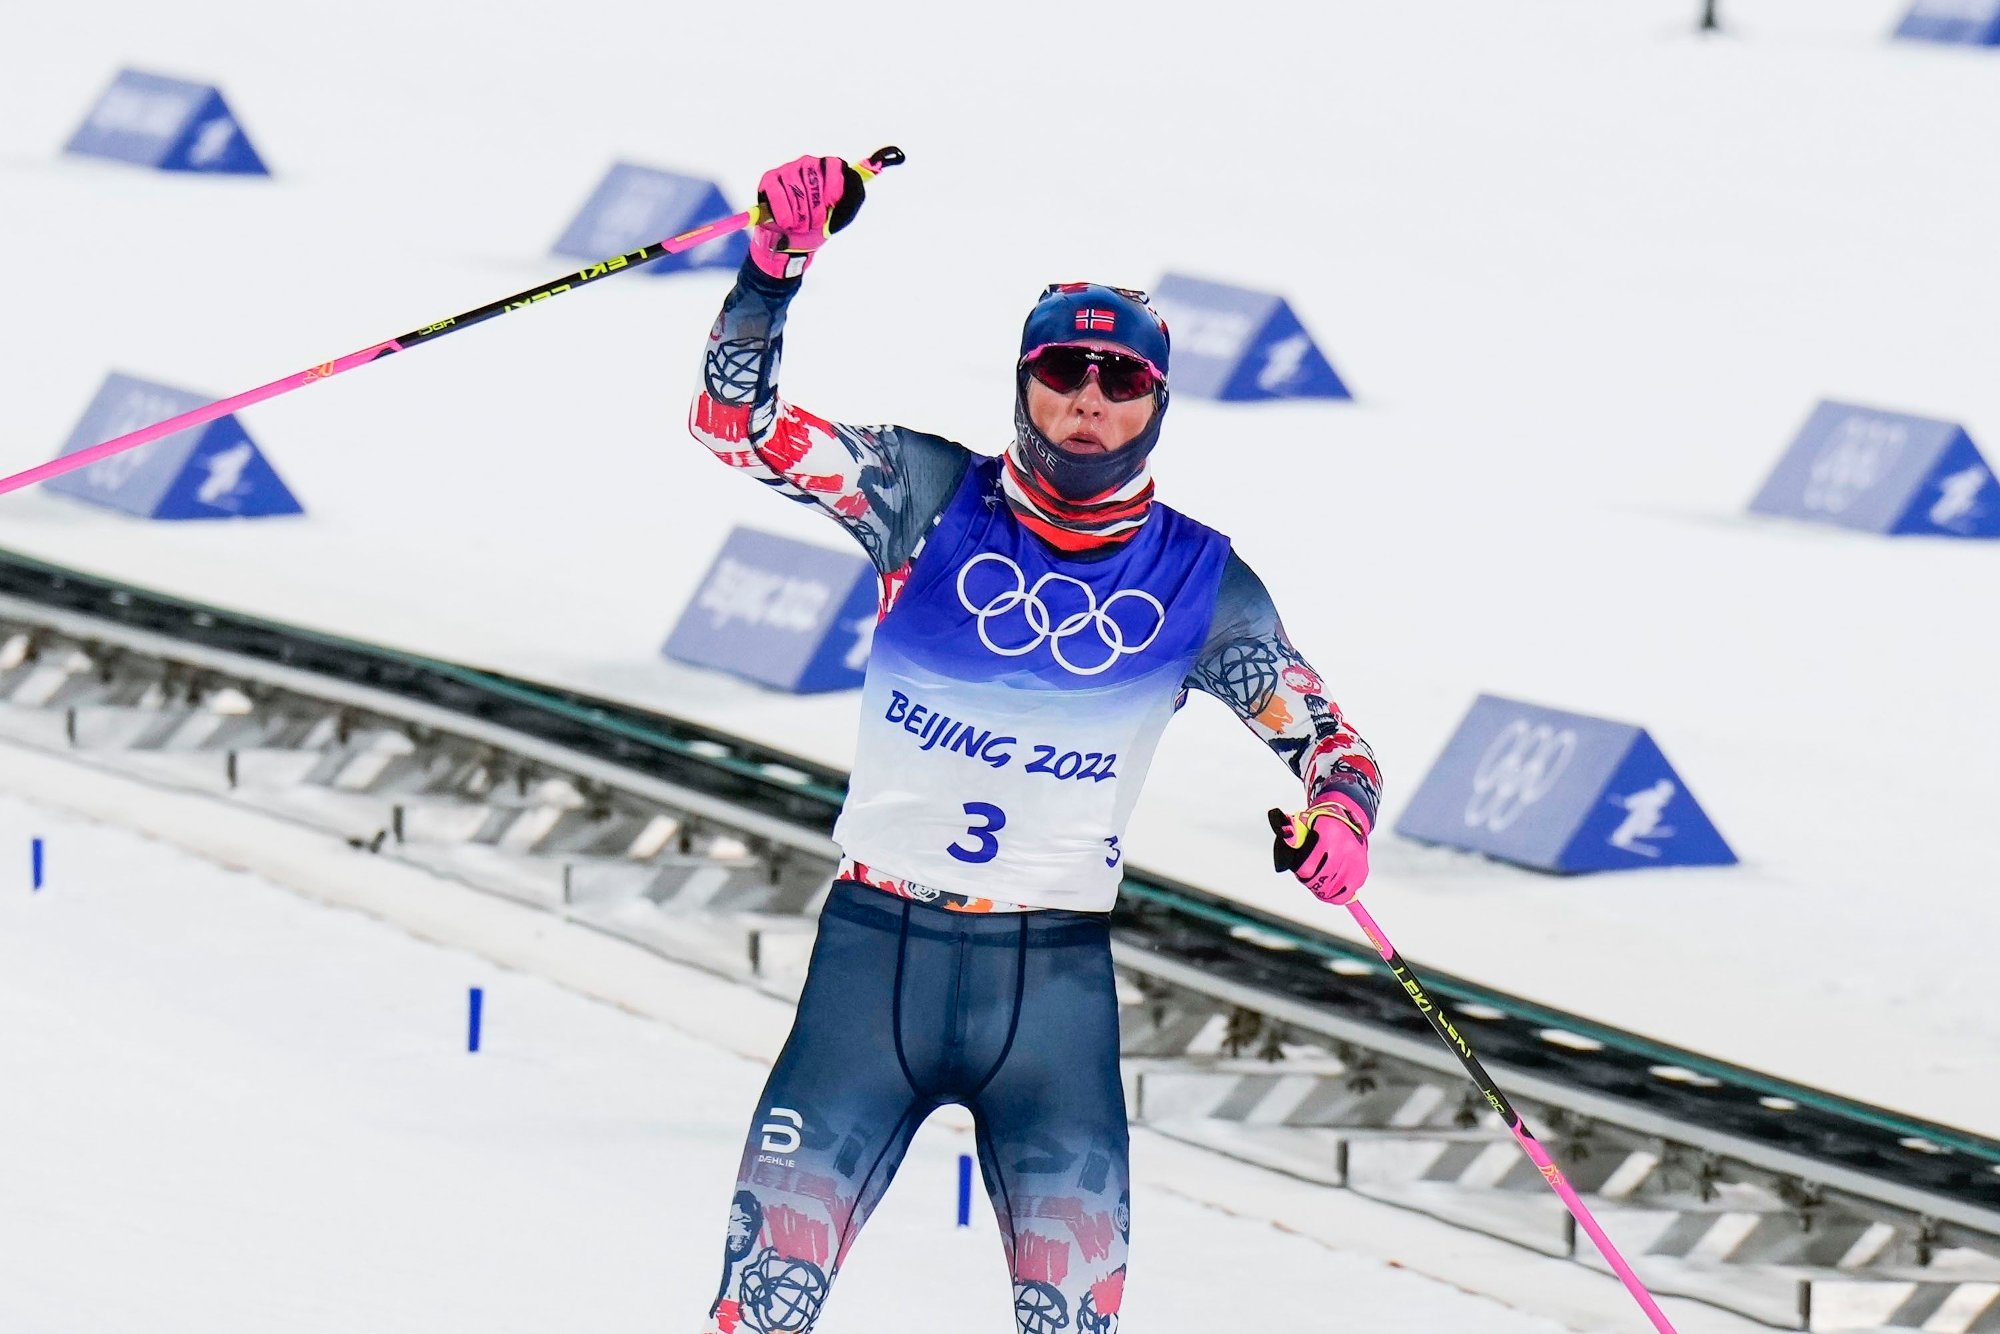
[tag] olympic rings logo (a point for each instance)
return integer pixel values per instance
(1852, 462)
(1517, 770)
(1045, 627)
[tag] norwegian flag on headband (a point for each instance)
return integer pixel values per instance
(1090, 317)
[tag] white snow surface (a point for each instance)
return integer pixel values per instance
(1586, 271)
(231, 1108)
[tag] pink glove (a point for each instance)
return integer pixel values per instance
(1325, 846)
(807, 201)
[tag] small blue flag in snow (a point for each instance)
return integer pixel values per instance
(1233, 344)
(167, 124)
(1559, 792)
(475, 1012)
(1968, 22)
(635, 206)
(208, 472)
(35, 862)
(1884, 472)
(787, 614)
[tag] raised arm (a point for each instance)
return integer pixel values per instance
(1250, 664)
(884, 484)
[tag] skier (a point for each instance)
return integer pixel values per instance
(1042, 617)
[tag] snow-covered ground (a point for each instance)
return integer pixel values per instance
(230, 1108)
(1586, 271)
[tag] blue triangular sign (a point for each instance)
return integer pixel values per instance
(214, 142)
(1957, 498)
(793, 615)
(1883, 472)
(208, 472)
(843, 654)
(227, 477)
(168, 124)
(1239, 345)
(1283, 362)
(1559, 791)
(1965, 22)
(1644, 816)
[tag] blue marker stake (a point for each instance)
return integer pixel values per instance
(472, 1024)
(965, 1190)
(35, 856)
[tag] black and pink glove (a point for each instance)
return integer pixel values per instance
(1325, 846)
(805, 202)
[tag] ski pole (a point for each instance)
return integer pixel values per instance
(881, 161)
(1531, 1146)
(1288, 858)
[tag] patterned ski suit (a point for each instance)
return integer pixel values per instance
(925, 986)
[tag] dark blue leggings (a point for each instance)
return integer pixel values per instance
(907, 1007)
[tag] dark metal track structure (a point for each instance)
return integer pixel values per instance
(1225, 940)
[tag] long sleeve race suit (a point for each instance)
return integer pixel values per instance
(1008, 1008)
(888, 485)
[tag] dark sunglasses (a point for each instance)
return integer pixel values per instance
(1065, 369)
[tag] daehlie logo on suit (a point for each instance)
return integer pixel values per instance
(781, 1132)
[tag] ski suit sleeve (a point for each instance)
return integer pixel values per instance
(885, 484)
(1249, 664)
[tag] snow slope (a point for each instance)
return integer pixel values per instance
(230, 1108)
(1586, 271)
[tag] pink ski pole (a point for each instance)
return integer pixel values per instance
(1286, 858)
(326, 370)
(1525, 1137)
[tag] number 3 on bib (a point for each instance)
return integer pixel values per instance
(990, 821)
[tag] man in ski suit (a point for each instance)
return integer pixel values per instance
(1042, 617)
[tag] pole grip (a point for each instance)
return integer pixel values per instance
(1285, 855)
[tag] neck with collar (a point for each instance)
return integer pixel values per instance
(1096, 523)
